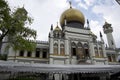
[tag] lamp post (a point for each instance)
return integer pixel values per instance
(118, 1)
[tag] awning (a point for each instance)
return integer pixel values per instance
(6, 66)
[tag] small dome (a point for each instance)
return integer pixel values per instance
(72, 15)
(57, 28)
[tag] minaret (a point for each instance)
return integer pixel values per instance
(70, 4)
(101, 37)
(51, 40)
(103, 48)
(108, 31)
(88, 26)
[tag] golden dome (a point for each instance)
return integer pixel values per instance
(72, 15)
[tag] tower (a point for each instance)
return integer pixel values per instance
(108, 31)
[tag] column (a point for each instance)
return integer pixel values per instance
(66, 47)
(57, 76)
(51, 75)
(51, 45)
(47, 53)
(25, 53)
(33, 53)
(67, 52)
(103, 76)
(51, 50)
(59, 46)
(98, 49)
(41, 53)
(92, 51)
(104, 53)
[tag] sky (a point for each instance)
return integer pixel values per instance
(47, 12)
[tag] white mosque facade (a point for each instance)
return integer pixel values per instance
(71, 44)
(72, 52)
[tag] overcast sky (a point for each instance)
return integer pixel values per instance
(47, 12)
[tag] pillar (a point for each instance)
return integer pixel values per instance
(33, 53)
(51, 50)
(104, 53)
(92, 51)
(59, 46)
(67, 51)
(41, 53)
(25, 53)
(66, 47)
(51, 45)
(57, 76)
(98, 49)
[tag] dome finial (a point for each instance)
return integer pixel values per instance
(105, 21)
(88, 26)
(70, 4)
(57, 23)
(100, 34)
(23, 6)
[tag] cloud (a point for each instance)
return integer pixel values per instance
(89, 2)
(47, 12)
(96, 28)
(110, 12)
(85, 3)
(44, 13)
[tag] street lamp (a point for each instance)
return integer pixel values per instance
(118, 1)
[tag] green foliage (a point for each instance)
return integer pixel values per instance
(3, 57)
(13, 24)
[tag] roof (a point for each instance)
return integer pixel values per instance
(52, 68)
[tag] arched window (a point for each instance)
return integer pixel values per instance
(37, 54)
(62, 50)
(73, 49)
(101, 52)
(86, 48)
(80, 53)
(29, 53)
(113, 57)
(96, 52)
(21, 53)
(55, 48)
(109, 58)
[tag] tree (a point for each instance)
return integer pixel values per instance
(13, 25)
(3, 57)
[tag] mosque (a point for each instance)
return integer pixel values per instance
(71, 43)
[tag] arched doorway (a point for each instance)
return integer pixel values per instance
(62, 50)
(56, 49)
(73, 49)
(80, 51)
(86, 49)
